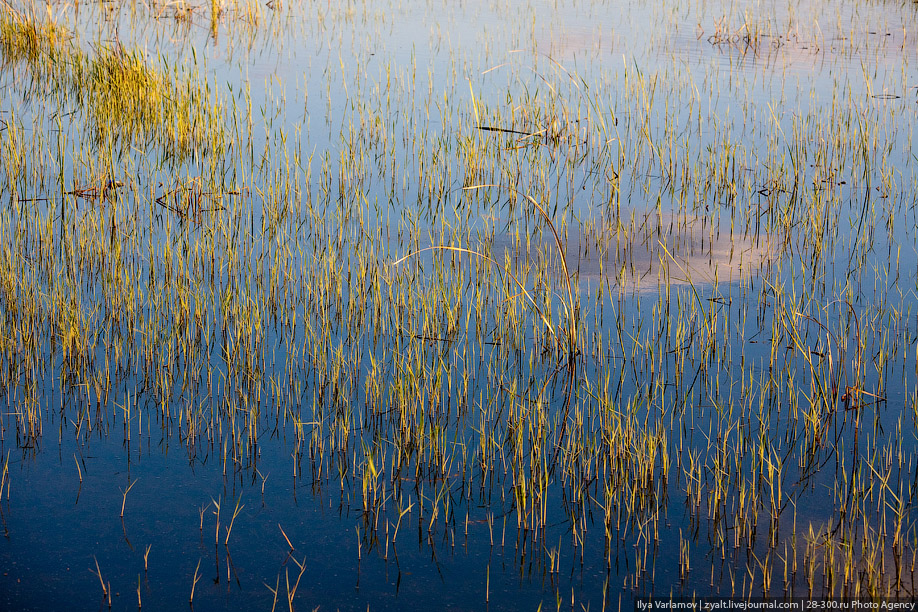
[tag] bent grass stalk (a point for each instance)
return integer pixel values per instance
(194, 582)
(286, 539)
(488, 259)
(124, 496)
(5, 478)
(274, 592)
(572, 310)
(291, 591)
(105, 589)
(236, 512)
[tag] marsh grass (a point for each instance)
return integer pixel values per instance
(125, 97)
(33, 40)
(515, 306)
(129, 99)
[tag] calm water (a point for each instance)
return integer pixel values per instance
(734, 189)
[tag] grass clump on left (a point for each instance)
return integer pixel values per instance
(30, 39)
(126, 98)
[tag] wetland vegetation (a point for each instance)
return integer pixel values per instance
(389, 305)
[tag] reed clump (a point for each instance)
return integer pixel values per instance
(605, 315)
(33, 40)
(130, 100)
(124, 96)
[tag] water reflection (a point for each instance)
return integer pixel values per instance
(649, 250)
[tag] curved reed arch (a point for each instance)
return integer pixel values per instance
(570, 306)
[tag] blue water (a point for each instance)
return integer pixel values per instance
(375, 107)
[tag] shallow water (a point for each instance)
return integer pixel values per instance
(342, 315)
